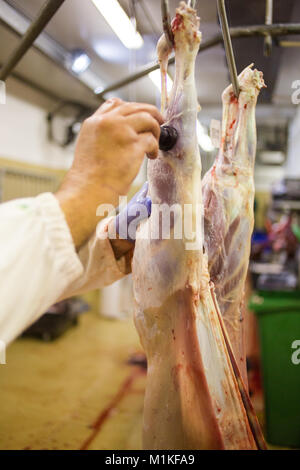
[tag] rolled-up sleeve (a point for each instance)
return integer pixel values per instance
(100, 267)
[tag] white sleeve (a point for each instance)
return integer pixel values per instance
(37, 261)
(100, 267)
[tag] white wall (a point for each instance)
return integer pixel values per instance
(293, 159)
(266, 175)
(23, 129)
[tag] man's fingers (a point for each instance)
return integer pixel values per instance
(149, 144)
(144, 122)
(130, 108)
(109, 105)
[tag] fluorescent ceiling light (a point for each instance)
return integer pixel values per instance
(98, 89)
(155, 77)
(203, 138)
(80, 61)
(119, 23)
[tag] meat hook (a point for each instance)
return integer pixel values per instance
(165, 12)
(228, 47)
(269, 20)
(168, 135)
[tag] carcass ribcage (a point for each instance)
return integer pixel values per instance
(192, 397)
(228, 197)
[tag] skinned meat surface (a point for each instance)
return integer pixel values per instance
(192, 397)
(228, 198)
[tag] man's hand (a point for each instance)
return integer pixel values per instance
(108, 155)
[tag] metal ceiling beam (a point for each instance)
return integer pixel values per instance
(274, 30)
(19, 24)
(47, 11)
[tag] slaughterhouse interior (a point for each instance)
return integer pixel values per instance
(149, 227)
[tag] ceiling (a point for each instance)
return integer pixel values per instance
(78, 24)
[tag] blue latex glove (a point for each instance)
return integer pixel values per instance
(138, 209)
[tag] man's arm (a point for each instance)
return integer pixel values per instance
(39, 236)
(37, 261)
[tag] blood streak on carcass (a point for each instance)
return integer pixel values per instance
(177, 23)
(233, 99)
(232, 124)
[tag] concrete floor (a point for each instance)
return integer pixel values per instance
(77, 392)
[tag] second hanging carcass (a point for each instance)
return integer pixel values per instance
(228, 198)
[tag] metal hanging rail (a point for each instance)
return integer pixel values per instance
(51, 6)
(46, 13)
(274, 30)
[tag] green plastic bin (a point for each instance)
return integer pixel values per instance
(279, 326)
